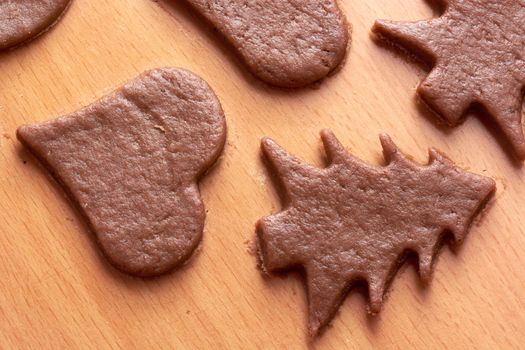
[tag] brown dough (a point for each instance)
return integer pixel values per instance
(131, 161)
(352, 221)
(289, 43)
(477, 48)
(22, 20)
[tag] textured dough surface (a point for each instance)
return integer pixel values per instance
(477, 48)
(22, 20)
(355, 222)
(289, 43)
(130, 162)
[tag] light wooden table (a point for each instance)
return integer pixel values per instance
(56, 291)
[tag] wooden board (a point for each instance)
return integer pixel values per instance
(56, 291)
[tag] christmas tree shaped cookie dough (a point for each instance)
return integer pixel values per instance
(289, 43)
(477, 49)
(352, 221)
(131, 161)
(22, 20)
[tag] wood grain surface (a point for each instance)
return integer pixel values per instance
(57, 291)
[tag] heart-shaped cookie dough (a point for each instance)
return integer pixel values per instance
(131, 162)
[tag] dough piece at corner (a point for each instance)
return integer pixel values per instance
(477, 50)
(23, 20)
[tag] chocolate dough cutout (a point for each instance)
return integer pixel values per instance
(477, 49)
(131, 161)
(289, 43)
(352, 221)
(22, 20)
